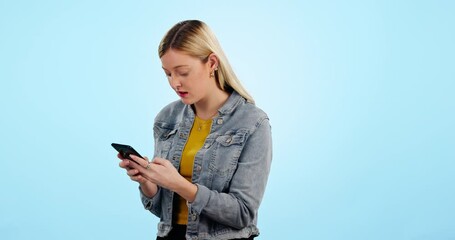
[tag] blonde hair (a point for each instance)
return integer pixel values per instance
(195, 38)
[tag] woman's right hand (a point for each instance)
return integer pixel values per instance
(148, 188)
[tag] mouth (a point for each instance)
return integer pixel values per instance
(182, 94)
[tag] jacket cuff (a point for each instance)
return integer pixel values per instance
(146, 201)
(201, 200)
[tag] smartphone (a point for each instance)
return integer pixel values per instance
(125, 150)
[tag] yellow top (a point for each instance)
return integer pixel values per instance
(198, 134)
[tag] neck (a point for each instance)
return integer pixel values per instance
(207, 108)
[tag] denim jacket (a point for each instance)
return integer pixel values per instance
(230, 170)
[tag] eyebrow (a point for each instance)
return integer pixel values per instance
(176, 67)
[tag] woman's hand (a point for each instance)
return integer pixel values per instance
(148, 188)
(161, 172)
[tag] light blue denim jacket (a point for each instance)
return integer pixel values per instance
(230, 170)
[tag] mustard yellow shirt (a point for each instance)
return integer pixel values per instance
(198, 134)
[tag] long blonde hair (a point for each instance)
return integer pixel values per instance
(195, 38)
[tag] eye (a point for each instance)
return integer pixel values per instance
(183, 73)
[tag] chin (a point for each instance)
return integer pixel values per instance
(187, 101)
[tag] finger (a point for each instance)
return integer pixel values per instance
(124, 164)
(120, 156)
(132, 172)
(141, 167)
(142, 162)
(133, 164)
(139, 179)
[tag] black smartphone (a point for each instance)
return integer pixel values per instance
(125, 150)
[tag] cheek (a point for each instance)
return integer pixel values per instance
(199, 79)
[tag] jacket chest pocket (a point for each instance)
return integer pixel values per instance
(164, 136)
(227, 150)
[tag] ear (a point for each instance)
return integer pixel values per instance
(213, 61)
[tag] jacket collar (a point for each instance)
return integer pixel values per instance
(228, 107)
(232, 102)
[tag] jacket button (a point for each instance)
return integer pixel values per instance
(194, 217)
(229, 140)
(219, 121)
(198, 168)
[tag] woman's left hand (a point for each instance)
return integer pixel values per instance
(159, 171)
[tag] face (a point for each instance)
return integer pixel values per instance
(188, 76)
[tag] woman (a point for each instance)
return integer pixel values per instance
(213, 147)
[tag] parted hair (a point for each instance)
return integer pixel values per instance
(195, 38)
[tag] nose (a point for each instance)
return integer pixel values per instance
(174, 82)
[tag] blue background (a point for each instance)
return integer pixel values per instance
(360, 95)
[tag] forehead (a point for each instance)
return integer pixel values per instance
(174, 59)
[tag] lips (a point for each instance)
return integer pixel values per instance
(182, 94)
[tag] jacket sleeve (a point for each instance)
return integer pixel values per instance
(152, 204)
(238, 207)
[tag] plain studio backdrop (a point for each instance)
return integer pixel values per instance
(360, 95)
